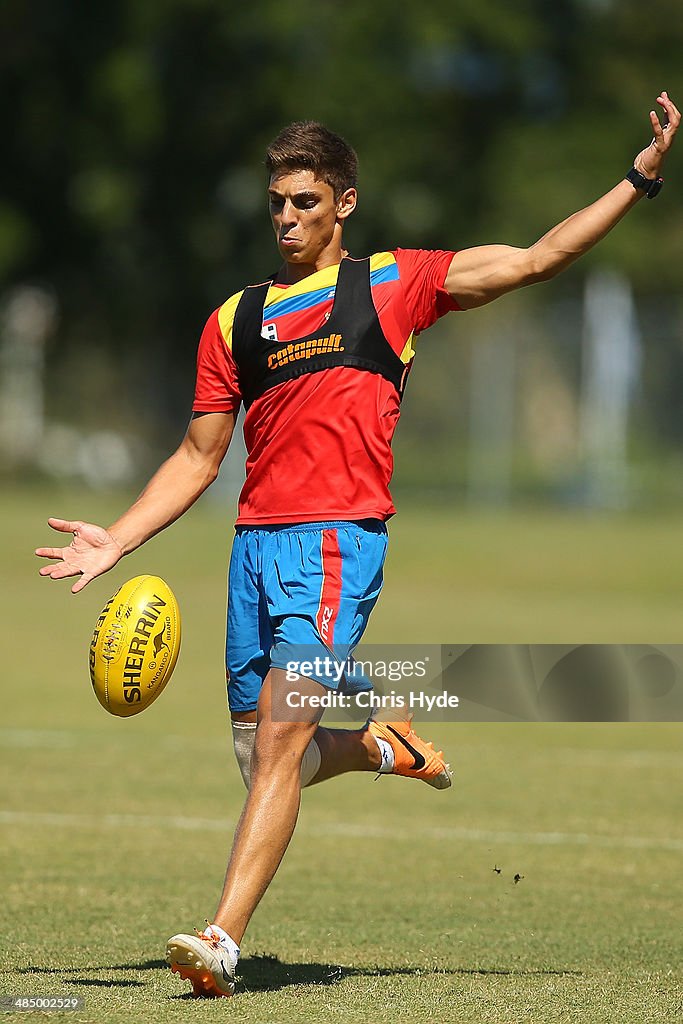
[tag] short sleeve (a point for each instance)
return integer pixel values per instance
(217, 388)
(423, 275)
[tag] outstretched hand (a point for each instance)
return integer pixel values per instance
(92, 551)
(649, 161)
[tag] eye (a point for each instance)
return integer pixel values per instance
(306, 202)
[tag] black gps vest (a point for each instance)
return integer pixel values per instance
(352, 336)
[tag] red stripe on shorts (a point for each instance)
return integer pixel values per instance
(330, 593)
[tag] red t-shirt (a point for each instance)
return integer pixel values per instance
(319, 446)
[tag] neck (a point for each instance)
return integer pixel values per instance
(291, 273)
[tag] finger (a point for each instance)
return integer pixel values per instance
(674, 116)
(48, 570)
(657, 141)
(665, 105)
(59, 571)
(81, 583)
(65, 525)
(51, 552)
(672, 113)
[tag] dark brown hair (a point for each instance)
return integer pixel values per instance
(310, 146)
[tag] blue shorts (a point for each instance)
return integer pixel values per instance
(308, 587)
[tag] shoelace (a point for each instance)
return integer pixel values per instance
(212, 937)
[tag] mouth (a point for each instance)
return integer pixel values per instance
(289, 242)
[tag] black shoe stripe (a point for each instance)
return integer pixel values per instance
(419, 761)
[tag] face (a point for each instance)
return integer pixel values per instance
(307, 219)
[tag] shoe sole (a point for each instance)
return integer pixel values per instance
(186, 962)
(444, 780)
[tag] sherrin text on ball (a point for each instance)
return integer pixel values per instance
(135, 645)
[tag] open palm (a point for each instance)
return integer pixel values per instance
(92, 551)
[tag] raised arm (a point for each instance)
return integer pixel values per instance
(479, 275)
(172, 490)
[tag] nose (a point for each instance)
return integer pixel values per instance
(288, 214)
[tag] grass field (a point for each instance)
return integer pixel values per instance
(388, 907)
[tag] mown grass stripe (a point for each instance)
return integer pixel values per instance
(352, 830)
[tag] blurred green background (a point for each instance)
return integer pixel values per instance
(133, 204)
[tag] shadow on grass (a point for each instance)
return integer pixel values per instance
(145, 965)
(104, 983)
(266, 973)
(515, 972)
(90, 982)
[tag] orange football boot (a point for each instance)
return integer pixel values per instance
(413, 757)
(204, 961)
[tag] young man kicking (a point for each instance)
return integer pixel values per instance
(319, 355)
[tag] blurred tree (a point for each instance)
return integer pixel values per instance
(132, 179)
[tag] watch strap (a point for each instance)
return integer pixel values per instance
(650, 186)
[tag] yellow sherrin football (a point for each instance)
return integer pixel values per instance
(135, 645)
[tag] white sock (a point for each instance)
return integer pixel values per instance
(387, 755)
(224, 939)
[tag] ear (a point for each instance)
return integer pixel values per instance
(346, 203)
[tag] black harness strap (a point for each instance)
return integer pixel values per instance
(352, 336)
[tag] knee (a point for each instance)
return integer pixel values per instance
(279, 748)
(244, 736)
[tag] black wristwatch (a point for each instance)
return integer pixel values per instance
(650, 186)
